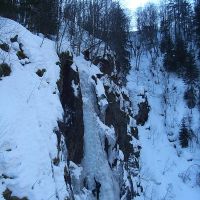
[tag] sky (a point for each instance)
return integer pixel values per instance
(132, 5)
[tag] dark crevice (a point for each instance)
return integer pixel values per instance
(72, 126)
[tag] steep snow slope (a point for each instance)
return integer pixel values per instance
(29, 110)
(167, 170)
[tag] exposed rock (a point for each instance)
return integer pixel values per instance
(4, 47)
(134, 132)
(106, 65)
(7, 194)
(143, 112)
(40, 72)
(72, 126)
(21, 55)
(5, 70)
(119, 119)
(14, 39)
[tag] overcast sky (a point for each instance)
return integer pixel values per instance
(133, 4)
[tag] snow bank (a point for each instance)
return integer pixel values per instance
(163, 162)
(29, 110)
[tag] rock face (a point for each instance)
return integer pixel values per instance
(143, 112)
(71, 99)
(120, 120)
(119, 115)
(100, 132)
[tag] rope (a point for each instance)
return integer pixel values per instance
(55, 193)
(34, 89)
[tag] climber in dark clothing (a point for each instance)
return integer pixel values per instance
(96, 191)
(86, 54)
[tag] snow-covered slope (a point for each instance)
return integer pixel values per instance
(37, 145)
(29, 110)
(167, 170)
(104, 142)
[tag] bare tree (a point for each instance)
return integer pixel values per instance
(147, 25)
(137, 49)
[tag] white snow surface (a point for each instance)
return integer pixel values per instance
(167, 173)
(29, 110)
(95, 163)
